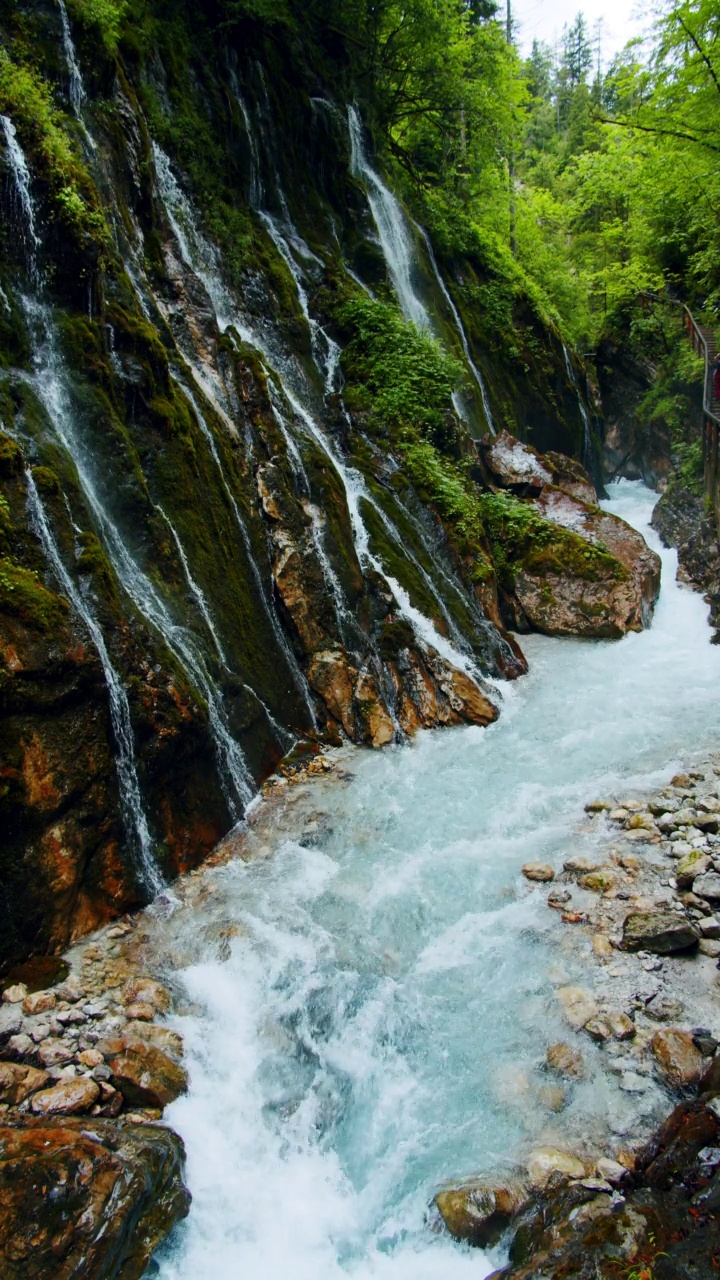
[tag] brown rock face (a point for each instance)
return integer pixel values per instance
(93, 1201)
(146, 1076)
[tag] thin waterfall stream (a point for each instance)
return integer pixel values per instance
(391, 975)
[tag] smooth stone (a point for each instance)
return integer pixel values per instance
(545, 1161)
(146, 991)
(479, 1213)
(709, 927)
(611, 1170)
(580, 865)
(602, 946)
(660, 931)
(578, 1005)
(691, 866)
(39, 1002)
(146, 1076)
(15, 994)
(54, 1052)
(67, 1098)
(565, 1061)
(708, 886)
(599, 881)
(679, 1061)
(541, 872)
(710, 947)
(18, 1081)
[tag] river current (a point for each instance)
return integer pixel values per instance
(374, 1020)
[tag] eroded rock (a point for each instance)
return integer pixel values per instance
(477, 1212)
(92, 1200)
(660, 931)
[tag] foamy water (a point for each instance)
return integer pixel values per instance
(377, 1022)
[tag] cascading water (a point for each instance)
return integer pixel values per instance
(379, 1025)
(460, 329)
(77, 88)
(587, 433)
(199, 257)
(49, 386)
(17, 164)
(392, 227)
(136, 826)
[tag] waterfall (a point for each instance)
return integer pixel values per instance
(135, 822)
(392, 227)
(262, 590)
(396, 239)
(48, 383)
(587, 432)
(77, 88)
(202, 260)
(15, 159)
(460, 329)
(196, 592)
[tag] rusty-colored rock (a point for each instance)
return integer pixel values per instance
(146, 1076)
(680, 1063)
(68, 1098)
(86, 1199)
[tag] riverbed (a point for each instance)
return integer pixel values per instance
(368, 1002)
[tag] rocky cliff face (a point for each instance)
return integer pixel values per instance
(225, 524)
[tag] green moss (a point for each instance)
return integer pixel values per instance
(398, 374)
(11, 459)
(23, 595)
(522, 539)
(28, 99)
(46, 480)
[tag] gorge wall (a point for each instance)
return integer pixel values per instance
(242, 500)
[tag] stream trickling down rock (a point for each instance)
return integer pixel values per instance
(388, 993)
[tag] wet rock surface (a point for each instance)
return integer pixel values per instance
(92, 1199)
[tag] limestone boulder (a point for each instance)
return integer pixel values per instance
(86, 1200)
(515, 465)
(603, 529)
(660, 931)
(478, 1213)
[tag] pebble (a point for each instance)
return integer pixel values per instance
(541, 872)
(15, 994)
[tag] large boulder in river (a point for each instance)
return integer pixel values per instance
(660, 931)
(86, 1200)
(478, 1212)
(603, 529)
(567, 567)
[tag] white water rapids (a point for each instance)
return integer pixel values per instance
(387, 981)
